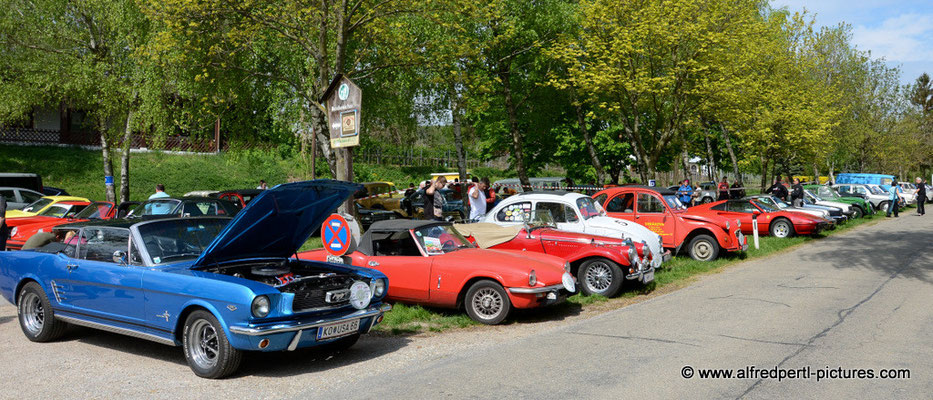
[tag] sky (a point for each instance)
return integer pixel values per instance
(900, 31)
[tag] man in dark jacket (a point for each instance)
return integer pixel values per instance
(778, 190)
(921, 196)
(3, 228)
(796, 194)
(737, 191)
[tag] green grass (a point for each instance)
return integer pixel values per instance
(404, 319)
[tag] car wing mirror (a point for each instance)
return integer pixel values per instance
(756, 213)
(119, 257)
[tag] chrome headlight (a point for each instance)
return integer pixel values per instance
(360, 295)
(567, 280)
(379, 287)
(13, 231)
(260, 307)
(632, 254)
(532, 278)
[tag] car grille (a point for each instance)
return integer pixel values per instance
(310, 294)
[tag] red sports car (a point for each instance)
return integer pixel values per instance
(599, 263)
(658, 209)
(431, 263)
(21, 233)
(777, 223)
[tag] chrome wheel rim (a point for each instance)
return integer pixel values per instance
(703, 250)
(33, 313)
(487, 303)
(781, 230)
(598, 277)
(204, 344)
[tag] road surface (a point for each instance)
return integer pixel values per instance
(859, 300)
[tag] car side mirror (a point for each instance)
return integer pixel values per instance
(119, 257)
(756, 213)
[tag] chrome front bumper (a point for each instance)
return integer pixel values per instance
(543, 289)
(292, 326)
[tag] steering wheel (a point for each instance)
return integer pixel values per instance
(449, 244)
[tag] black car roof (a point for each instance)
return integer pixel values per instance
(126, 223)
(403, 224)
(250, 192)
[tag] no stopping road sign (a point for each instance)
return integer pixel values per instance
(335, 233)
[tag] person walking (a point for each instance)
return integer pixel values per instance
(894, 196)
(434, 200)
(796, 194)
(724, 189)
(3, 229)
(685, 193)
(921, 195)
(778, 189)
(477, 197)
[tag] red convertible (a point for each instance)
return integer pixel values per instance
(599, 263)
(21, 233)
(658, 209)
(777, 223)
(431, 263)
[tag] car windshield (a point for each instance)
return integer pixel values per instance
(60, 210)
(38, 205)
(174, 240)
(767, 201)
(441, 239)
(828, 192)
(764, 207)
(812, 196)
(589, 208)
(673, 202)
(154, 207)
(94, 211)
(875, 190)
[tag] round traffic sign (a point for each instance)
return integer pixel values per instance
(335, 233)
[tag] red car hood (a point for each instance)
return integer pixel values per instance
(553, 234)
(11, 222)
(712, 219)
(549, 269)
(24, 232)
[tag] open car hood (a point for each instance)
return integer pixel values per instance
(278, 221)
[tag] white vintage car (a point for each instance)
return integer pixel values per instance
(811, 198)
(574, 212)
(874, 194)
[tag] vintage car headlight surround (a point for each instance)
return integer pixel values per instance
(379, 287)
(360, 295)
(632, 254)
(261, 306)
(532, 278)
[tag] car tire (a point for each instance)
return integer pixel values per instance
(487, 302)
(207, 350)
(781, 228)
(883, 207)
(36, 317)
(859, 213)
(703, 248)
(600, 276)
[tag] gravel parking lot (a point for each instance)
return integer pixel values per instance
(858, 300)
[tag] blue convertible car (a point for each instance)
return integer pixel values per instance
(214, 285)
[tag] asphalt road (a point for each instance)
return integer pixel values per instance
(859, 300)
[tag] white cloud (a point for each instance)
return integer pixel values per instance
(903, 38)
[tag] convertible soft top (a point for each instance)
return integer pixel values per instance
(489, 234)
(403, 224)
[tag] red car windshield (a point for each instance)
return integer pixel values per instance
(441, 239)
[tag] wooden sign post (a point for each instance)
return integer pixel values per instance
(344, 102)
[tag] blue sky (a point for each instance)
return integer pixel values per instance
(899, 31)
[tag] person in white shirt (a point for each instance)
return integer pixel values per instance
(477, 200)
(262, 185)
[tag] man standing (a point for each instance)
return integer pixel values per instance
(3, 228)
(434, 200)
(778, 190)
(477, 200)
(921, 195)
(894, 197)
(796, 195)
(737, 192)
(158, 208)
(159, 193)
(723, 189)
(685, 193)
(262, 185)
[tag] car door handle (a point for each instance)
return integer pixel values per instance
(71, 267)
(373, 264)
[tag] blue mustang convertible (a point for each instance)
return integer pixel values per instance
(214, 285)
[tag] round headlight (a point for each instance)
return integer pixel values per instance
(360, 295)
(260, 307)
(567, 280)
(379, 287)
(532, 278)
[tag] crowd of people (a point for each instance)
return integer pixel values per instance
(688, 194)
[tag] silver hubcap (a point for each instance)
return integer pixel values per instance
(781, 229)
(703, 250)
(487, 303)
(598, 277)
(203, 344)
(33, 313)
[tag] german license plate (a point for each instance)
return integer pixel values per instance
(338, 329)
(647, 277)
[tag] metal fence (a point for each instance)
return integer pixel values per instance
(91, 139)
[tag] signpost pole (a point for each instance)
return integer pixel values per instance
(755, 230)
